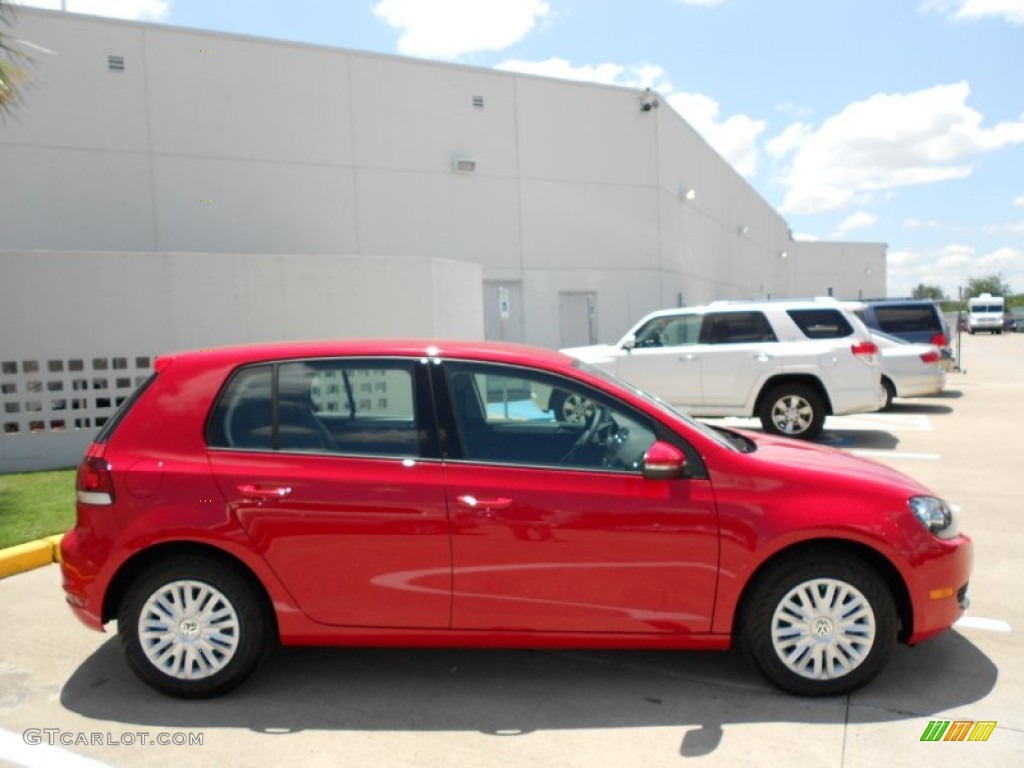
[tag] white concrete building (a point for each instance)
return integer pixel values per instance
(155, 173)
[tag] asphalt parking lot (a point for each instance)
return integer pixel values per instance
(67, 698)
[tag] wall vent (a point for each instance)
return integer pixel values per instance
(115, 63)
(478, 102)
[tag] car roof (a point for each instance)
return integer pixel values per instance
(821, 302)
(489, 351)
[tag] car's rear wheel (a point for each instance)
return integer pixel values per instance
(890, 391)
(793, 410)
(193, 627)
(819, 626)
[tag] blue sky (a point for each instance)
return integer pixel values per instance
(896, 121)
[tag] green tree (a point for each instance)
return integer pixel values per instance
(12, 76)
(994, 284)
(923, 291)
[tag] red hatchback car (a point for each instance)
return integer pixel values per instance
(413, 493)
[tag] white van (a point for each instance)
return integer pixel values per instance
(985, 313)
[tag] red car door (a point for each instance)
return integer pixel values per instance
(337, 496)
(554, 528)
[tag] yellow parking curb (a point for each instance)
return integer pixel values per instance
(25, 557)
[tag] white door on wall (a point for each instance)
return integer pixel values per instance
(503, 310)
(577, 317)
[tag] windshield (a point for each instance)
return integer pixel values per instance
(722, 437)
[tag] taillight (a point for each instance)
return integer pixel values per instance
(94, 482)
(940, 340)
(930, 357)
(866, 350)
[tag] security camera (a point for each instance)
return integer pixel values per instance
(649, 100)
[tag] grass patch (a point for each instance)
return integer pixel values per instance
(35, 504)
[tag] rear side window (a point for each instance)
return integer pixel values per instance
(736, 328)
(821, 323)
(321, 406)
(127, 405)
(907, 318)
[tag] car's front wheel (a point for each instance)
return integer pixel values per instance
(193, 627)
(792, 410)
(819, 626)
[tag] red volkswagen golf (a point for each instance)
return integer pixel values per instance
(408, 493)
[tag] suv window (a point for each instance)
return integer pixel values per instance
(906, 318)
(670, 331)
(521, 428)
(333, 406)
(736, 328)
(821, 323)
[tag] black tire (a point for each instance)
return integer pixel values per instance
(855, 657)
(890, 392)
(207, 648)
(792, 410)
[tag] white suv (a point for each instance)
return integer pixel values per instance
(790, 363)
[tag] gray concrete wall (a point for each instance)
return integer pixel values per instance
(80, 329)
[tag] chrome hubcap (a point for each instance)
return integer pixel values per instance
(792, 414)
(188, 630)
(823, 629)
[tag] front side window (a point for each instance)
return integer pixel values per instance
(737, 328)
(319, 406)
(671, 331)
(510, 416)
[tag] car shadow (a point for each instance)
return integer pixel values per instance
(512, 692)
(916, 406)
(873, 439)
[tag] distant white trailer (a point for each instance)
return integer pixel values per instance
(985, 313)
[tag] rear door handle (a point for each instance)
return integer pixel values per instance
(472, 502)
(687, 358)
(264, 491)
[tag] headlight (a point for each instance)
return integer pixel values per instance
(935, 515)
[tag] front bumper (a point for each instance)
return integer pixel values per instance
(938, 591)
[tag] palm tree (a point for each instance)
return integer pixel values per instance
(11, 75)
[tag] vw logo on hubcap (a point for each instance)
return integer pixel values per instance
(188, 629)
(822, 627)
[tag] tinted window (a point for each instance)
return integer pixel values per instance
(669, 331)
(335, 406)
(522, 426)
(737, 328)
(821, 323)
(907, 318)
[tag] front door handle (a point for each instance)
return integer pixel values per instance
(472, 502)
(264, 491)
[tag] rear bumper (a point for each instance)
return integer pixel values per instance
(866, 400)
(81, 588)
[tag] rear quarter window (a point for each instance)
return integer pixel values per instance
(821, 323)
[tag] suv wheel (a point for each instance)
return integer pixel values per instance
(792, 410)
(890, 392)
(193, 627)
(573, 408)
(823, 627)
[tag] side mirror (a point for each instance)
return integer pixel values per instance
(663, 462)
(629, 342)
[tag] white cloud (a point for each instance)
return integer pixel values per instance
(913, 223)
(702, 3)
(1011, 11)
(859, 220)
(140, 10)
(951, 268)
(450, 28)
(643, 76)
(734, 138)
(1019, 201)
(885, 142)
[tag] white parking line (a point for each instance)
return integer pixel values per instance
(16, 749)
(889, 422)
(868, 453)
(977, 622)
